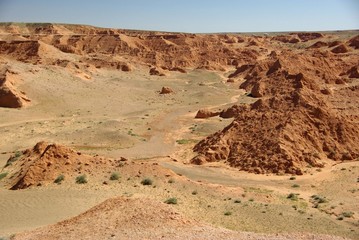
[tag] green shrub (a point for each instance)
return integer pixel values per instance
(2, 175)
(228, 213)
(322, 200)
(171, 201)
(319, 199)
(237, 201)
(295, 186)
(347, 214)
(81, 179)
(18, 154)
(194, 192)
(13, 158)
(292, 196)
(292, 178)
(59, 179)
(114, 176)
(147, 181)
(251, 200)
(183, 141)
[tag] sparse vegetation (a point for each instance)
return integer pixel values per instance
(301, 211)
(319, 199)
(347, 214)
(81, 179)
(295, 186)
(194, 192)
(171, 180)
(172, 200)
(293, 196)
(2, 175)
(147, 181)
(59, 179)
(184, 141)
(13, 158)
(18, 153)
(292, 178)
(237, 201)
(228, 213)
(131, 133)
(114, 176)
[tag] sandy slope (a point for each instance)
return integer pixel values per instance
(121, 218)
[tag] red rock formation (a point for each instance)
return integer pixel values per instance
(233, 111)
(340, 49)
(27, 51)
(45, 162)
(334, 43)
(157, 72)
(286, 39)
(10, 97)
(354, 42)
(290, 128)
(318, 44)
(166, 90)
(204, 113)
(307, 36)
(353, 72)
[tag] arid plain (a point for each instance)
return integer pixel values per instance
(178, 136)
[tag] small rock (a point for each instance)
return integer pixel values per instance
(166, 90)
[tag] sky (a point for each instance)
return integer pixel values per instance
(196, 16)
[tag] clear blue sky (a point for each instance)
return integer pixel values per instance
(190, 15)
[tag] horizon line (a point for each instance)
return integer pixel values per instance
(166, 31)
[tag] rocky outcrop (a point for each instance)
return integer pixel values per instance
(157, 72)
(307, 36)
(340, 49)
(21, 50)
(319, 44)
(166, 90)
(10, 97)
(232, 112)
(286, 39)
(290, 128)
(354, 42)
(353, 72)
(205, 113)
(43, 163)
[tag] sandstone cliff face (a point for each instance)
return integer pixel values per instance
(10, 97)
(21, 50)
(158, 49)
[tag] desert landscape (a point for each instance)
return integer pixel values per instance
(127, 134)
